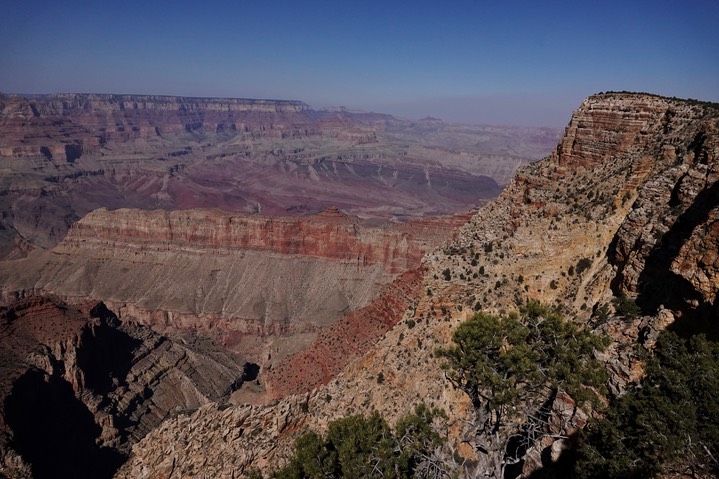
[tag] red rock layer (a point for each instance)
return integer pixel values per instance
(330, 234)
(348, 339)
(87, 121)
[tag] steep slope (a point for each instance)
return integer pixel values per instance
(62, 156)
(78, 386)
(264, 286)
(575, 230)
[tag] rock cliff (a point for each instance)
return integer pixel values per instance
(330, 234)
(73, 125)
(625, 205)
(79, 387)
(264, 286)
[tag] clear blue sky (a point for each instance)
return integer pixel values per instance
(512, 62)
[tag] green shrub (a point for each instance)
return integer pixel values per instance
(627, 307)
(361, 447)
(498, 358)
(508, 364)
(583, 265)
(672, 417)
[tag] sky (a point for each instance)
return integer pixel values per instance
(500, 62)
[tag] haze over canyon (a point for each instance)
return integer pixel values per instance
(188, 284)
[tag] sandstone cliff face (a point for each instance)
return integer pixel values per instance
(609, 194)
(331, 235)
(574, 230)
(89, 121)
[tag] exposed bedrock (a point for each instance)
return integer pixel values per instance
(346, 340)
(79, 387)
(243, 280)
(630, 189)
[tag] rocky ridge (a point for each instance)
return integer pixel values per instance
(79, 387)
(561, 233)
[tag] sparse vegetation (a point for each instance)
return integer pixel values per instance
(627, 307)
(510, 365)
(361, 447)
(583, 265)
(671, 420)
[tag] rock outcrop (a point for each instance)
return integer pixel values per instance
(344, 341)
(79, 387)
(575, 230)
(330, 234)
(76, 124)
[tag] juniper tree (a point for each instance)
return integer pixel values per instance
(512, 365)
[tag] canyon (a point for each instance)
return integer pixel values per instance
(264, 286)
(253, 286)
(629, 166)
(193, 251)
(65, 155)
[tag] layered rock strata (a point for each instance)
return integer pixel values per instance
(79, 387)
(245, 280)
(330, 234)
(62, 156)
(561, 233)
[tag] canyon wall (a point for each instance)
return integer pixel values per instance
(330, 234)
(620, 209)
(240, 279)
(72, 125)
(79, 387)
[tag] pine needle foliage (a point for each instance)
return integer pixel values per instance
(669, 424)
(500, 360)
(363, 447)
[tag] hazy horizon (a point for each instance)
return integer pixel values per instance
(472, 62)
